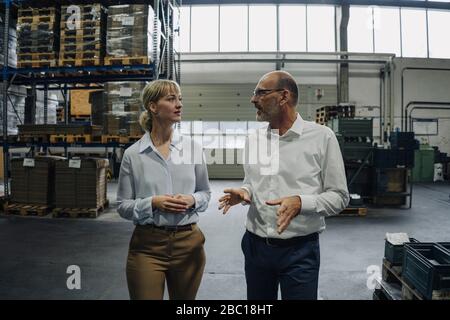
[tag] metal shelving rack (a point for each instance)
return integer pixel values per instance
(164, 64)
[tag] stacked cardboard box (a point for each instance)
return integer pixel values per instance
(129, 34)
(37, 37)
(83, 35)
(124, 108)
(81, 102)
(32, 182)
(81, 183)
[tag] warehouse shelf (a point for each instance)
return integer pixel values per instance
(163, 64)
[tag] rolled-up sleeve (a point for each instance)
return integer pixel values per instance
(246, 185)
(335, 196)
(202, 193)
(128, 206)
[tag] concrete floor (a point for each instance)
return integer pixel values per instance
(35, 252)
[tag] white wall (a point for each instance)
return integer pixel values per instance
(425, 85)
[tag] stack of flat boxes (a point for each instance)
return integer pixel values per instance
(83, 187)
(38, 37)
(83, 39)
(124, 107)
(34, 185)
(129, 34)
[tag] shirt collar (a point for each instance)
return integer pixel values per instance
(146, 142)
(296, 128)
(298, 125)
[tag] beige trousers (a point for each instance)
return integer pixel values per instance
(156, 256)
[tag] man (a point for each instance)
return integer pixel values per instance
(288, 205)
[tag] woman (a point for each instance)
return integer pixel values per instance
(162, 196)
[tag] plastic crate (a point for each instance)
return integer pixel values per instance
(427, 267)
(394, 253)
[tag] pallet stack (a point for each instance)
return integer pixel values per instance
(54, 133)
(124, 108)
(129, 35)
(80, 187)
(82, 35)
(38, 38)
(32, 185)
(326, 113)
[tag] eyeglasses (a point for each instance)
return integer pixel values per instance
(263, 92)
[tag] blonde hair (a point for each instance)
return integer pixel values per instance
(152, 92)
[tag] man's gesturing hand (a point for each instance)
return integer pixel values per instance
(289, 208)
(233, 197)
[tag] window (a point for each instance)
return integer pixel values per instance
(237, 127)
(205, 29)
(321, 28)
(233, 28)
(292, 28)
(185, 127)
(263, 28)
(387, 30)
(185, 28)
(210, 127)
(360, 30)
(438, 27)
(414, 34)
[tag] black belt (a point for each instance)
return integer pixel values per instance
(276, 242)
(185, 227)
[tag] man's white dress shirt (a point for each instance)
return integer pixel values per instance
(309, 164)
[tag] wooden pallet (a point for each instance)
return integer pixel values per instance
(127, 60)
(38, 49)
(74, 138)
(80, 46)
(87, 23)
(80, 62)
(28, 12)
(36, 64)
(79, 212)
(129, 139)
(80, 118)
(26, 209)
(79, 39)
(39, 26)
(89, 32)
(39, 56)
(79, 55)
(353, 211)
(110, 138)
(397, 287)
(36, 19)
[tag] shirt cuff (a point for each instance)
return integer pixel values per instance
(143, 208)
(249, 194)
(308, 204)
(197, 199)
